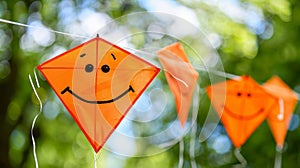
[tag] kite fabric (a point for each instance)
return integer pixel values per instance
(98, 82)
(181, 77)
(246, 106)
(280, 115)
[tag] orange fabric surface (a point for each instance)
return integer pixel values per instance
(242, 105)
(181, 77)
(279, 117)
(98, 83)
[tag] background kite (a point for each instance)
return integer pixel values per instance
(280, 116)
(181, 77)
(246, 106)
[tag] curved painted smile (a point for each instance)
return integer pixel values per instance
(67, 89)
(248, 117)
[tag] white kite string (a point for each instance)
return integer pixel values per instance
(178, 79)
(200, 68)
(36, 79)
(240, 157)
(216, 72)
(194, 127)
(42, 28)
(95, 159)
(278, 157)
(181, 150)
(35, 118)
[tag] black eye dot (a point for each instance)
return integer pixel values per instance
(105, 68)
(249, 95)
(89, 68)
(239, 94)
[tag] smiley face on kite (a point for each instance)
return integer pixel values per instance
(98, 83)
(105, 69)
(244, 100)
(242, 105)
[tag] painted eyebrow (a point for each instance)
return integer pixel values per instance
(82, 55)
(113, 56)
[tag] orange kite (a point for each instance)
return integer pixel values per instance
(98, 82)
(242, 105)
(279, 116)
(181, 77)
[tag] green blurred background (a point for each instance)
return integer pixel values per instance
(254, 37)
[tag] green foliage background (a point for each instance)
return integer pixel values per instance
(60, 143)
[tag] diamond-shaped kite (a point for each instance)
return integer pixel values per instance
(181, 77)
(245, 107)
(280, 115)
(98, 83)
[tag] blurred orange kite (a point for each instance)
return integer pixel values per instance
(243, 106)
(280, 116)
(181, 77)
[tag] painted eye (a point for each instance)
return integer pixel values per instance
(239, 94)
(249, 95)
(89, 68)
(105, 68)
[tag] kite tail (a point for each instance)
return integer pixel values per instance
(181, 149)
(278, 157)
(95, 159)
(193, 134)
(194, 127)
(192, 146)
(35, 118)
(240, 157)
